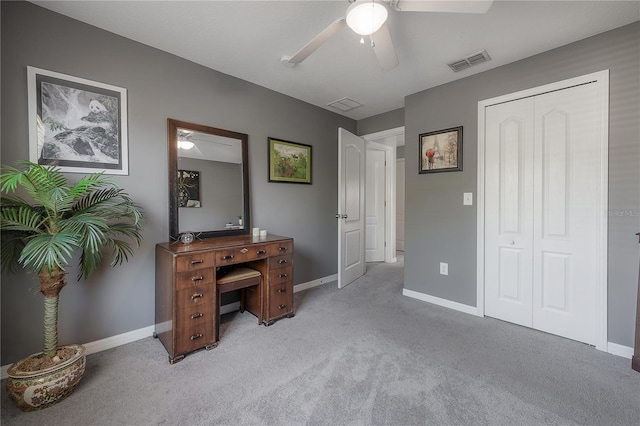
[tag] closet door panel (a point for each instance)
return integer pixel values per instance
(508, 211)
(567, 178)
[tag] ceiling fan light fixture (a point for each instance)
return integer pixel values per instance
(185, 144)
(365, 17)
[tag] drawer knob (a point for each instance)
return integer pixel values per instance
(227, 257)
(261, 252)
(281, 307)
(195, 262)
(198, 315)
(196, 296)
(282, 249)
(282, 275)
(282, 290)
(281, 261)
(196, 336)
(200, 278)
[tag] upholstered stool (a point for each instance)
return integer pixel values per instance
(239, 278)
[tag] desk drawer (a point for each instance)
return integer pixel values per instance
(195, 296)
(281, 275)
(195, 278)
(189, 262)
(282, 261)
(191, 334)
(194, 316)
(283, 247)
(241, 254)
(280, 300)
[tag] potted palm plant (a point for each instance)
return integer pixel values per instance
(90, 217)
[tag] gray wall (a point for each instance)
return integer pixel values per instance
(160, 86)
(385, 121)
(439, 228)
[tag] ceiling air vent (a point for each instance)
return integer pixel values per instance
(473, 59)
(344, 104)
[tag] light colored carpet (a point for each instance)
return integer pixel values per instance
(364, 355)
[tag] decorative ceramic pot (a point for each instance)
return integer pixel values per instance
(35, 390)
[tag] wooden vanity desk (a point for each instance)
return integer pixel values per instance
(186, 304)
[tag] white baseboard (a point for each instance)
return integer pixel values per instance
(620, 350)
(612, 348)
(107, 343)
(441, 302)
(120, 339)
(141, 333)
(314, 283)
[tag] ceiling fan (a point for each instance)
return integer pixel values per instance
(368, 18)
(188, 139)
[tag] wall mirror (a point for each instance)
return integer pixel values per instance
(208, 181)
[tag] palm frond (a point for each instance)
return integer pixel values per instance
(122, 250)
(89, 261)
(90, 229)
(85, 216)
(128, 230)
(96, 199)
(45, 251)
(89, 184)
(21, 218)
(12, 244)
(10, 179)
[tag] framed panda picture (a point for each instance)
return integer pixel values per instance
(77, 124)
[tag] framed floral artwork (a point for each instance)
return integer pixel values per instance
(289, 161)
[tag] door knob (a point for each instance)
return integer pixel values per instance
(344, 216)
(512, 242)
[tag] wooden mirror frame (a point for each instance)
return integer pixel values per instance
(172, 129)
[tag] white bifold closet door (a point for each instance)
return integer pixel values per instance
(542, 200)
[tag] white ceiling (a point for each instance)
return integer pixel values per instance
(247, 39)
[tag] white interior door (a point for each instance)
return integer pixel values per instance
(543, 191)
(400, 204)
(351, 198)
(375, 206)
(509, 212)
(567, 173)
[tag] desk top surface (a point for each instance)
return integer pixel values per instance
(220, 243)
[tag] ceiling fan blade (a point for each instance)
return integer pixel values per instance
(311, 47)
(383, 48)
(455, 6)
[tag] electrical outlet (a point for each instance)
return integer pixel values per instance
(444, 268)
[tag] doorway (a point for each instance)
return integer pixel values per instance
(378, 144)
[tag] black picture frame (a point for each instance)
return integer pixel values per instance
(289, 162)
(440, 151)
(77, 124)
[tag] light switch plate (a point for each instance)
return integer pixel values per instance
(468, 198)
(444, 268)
